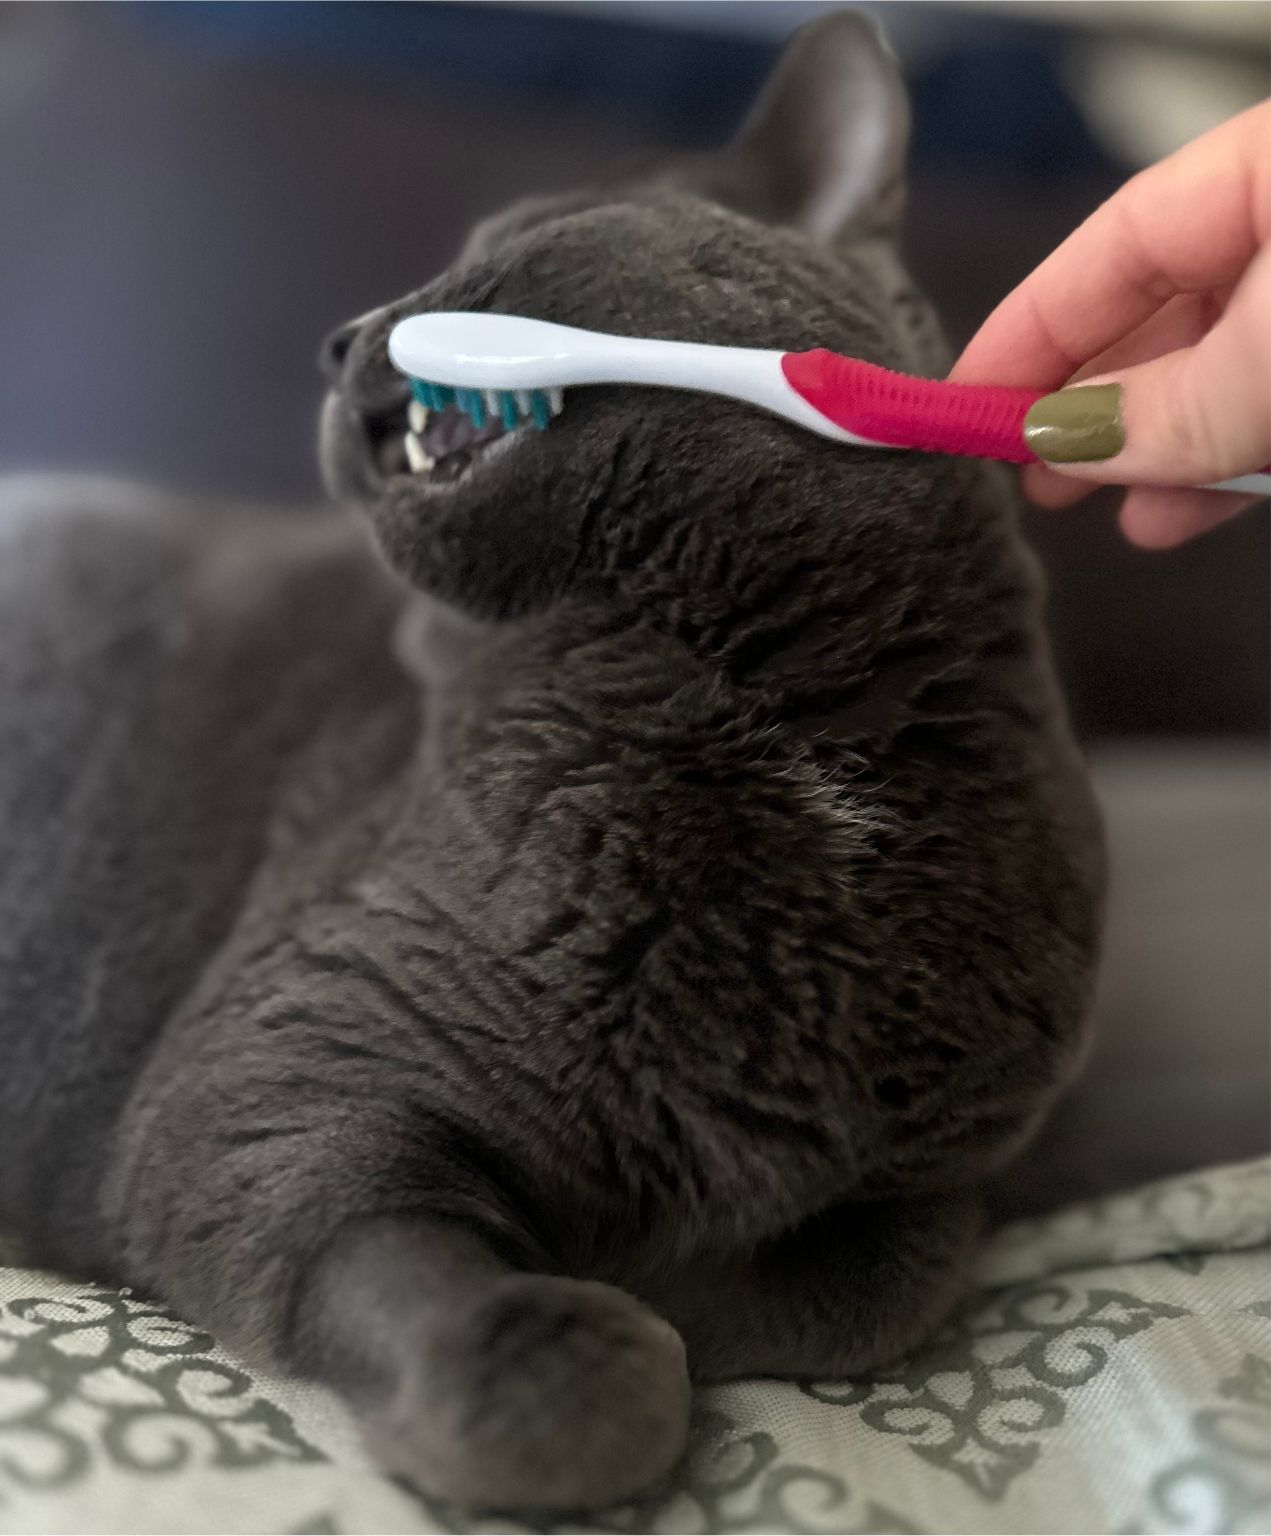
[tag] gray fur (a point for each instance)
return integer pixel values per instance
(632, 925)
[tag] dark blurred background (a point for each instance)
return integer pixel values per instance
(191, 195)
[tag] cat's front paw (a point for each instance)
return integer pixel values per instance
(542, 1393)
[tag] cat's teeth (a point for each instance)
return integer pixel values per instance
(419, 461)
(417, 415)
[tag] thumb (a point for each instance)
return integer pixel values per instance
(1191, 417)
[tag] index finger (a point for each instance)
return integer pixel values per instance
(1191, 223)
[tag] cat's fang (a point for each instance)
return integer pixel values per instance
(419, 461)
(417, 415)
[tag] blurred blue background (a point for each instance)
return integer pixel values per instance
(192, 194)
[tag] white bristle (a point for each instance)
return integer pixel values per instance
(556, 398)
(417, 415)
(492, 401)
(523, 401)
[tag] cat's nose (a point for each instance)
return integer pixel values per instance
(335, 349)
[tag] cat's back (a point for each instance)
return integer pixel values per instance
(166, 667)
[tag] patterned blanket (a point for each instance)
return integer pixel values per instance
(1112, 1373)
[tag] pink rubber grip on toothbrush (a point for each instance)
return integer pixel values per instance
(975, 420)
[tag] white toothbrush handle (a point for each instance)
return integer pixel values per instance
(740, 373)
(507, 352)
(1249, 485)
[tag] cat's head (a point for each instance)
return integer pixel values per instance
(783, 239)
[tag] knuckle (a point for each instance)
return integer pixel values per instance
(1193, 430)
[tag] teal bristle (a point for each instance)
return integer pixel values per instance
(473, 402)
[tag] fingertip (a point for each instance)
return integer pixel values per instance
(1155, 518)
(1147, 527)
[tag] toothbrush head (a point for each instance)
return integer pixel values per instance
(491, 367)
(474, 379)
(510, 406)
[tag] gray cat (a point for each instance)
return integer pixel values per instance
(607, 940)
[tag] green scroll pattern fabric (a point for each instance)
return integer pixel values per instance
(1112, 1373)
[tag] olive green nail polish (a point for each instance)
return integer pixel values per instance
(1078, 425)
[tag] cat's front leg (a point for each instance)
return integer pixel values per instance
(486, 1384)
(338, 1244)
(854, 1288)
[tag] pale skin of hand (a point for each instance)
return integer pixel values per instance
(1166, 290)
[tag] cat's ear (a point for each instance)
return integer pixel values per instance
(823, 147)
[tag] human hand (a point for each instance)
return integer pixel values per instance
(1163, 296)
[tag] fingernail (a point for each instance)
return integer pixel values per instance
(1076, 426)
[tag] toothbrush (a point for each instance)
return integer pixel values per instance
(517, 369)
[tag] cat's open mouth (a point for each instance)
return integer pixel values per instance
(437, 447)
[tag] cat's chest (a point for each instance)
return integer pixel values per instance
(658, 1079)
